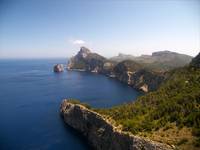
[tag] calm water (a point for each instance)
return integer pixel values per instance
(30, 95)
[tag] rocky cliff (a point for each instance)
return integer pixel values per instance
(86, 60)
(136, 76)
(128, 71)
(100, 132)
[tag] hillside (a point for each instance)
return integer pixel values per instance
(170, 115)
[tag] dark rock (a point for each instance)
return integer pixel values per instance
(58, 68)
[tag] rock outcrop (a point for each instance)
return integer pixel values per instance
(86, 60)
(58, 68)
(100, 132)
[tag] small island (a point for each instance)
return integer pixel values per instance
(58, 68)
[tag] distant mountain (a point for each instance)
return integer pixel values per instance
(162, 60)
(122, 57)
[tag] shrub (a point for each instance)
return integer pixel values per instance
(182, 141)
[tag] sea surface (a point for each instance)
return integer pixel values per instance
(30, 97)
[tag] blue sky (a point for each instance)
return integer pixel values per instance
(57, 28)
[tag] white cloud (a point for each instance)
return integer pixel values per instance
(78, 42)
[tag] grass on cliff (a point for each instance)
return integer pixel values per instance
(175, 105)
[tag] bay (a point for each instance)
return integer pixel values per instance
(30, 97)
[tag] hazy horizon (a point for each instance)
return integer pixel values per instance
(57, 29)
(93, 51)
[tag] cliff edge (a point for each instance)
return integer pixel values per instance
(101, 133)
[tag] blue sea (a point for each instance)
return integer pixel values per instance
(30, 97)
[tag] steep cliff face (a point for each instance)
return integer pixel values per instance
(136, 76)
(147, 80)
(101, 134)
(124, 70)
(86, 60)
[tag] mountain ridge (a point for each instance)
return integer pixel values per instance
(140, 75)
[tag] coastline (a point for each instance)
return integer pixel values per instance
(109, 76)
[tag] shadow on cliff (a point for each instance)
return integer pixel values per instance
(76, 134)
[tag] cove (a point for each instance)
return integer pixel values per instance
(30, 97)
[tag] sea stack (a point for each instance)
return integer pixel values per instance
(58, 68)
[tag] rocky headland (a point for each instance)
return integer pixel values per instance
(101, 132)
(128, 71)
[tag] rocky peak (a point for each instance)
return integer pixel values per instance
(83, 52)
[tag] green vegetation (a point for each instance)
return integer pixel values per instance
(182, 141)
(75, 101)
(80, 65)
(176, 102)
(127, 65)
